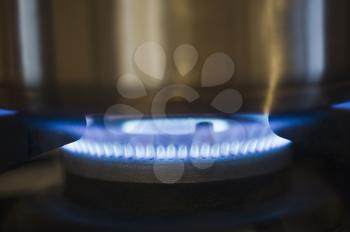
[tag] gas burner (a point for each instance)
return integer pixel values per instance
(183, 149)
(172, 139)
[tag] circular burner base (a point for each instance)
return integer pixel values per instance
(183, 198)
(176, 171)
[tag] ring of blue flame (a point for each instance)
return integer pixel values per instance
(230, 140)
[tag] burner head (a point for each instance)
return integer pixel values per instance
(176, 150)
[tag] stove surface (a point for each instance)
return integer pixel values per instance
(310, 194)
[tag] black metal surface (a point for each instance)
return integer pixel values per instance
(23, 137)
(310, 205)
(14, 142)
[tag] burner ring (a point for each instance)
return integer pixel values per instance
(210, 149)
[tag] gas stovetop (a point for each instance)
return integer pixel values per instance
(87, 185)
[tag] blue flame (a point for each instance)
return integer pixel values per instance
(153, 139)
(342, 106)
(74, 127)
(180, 151)
(6, 112)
